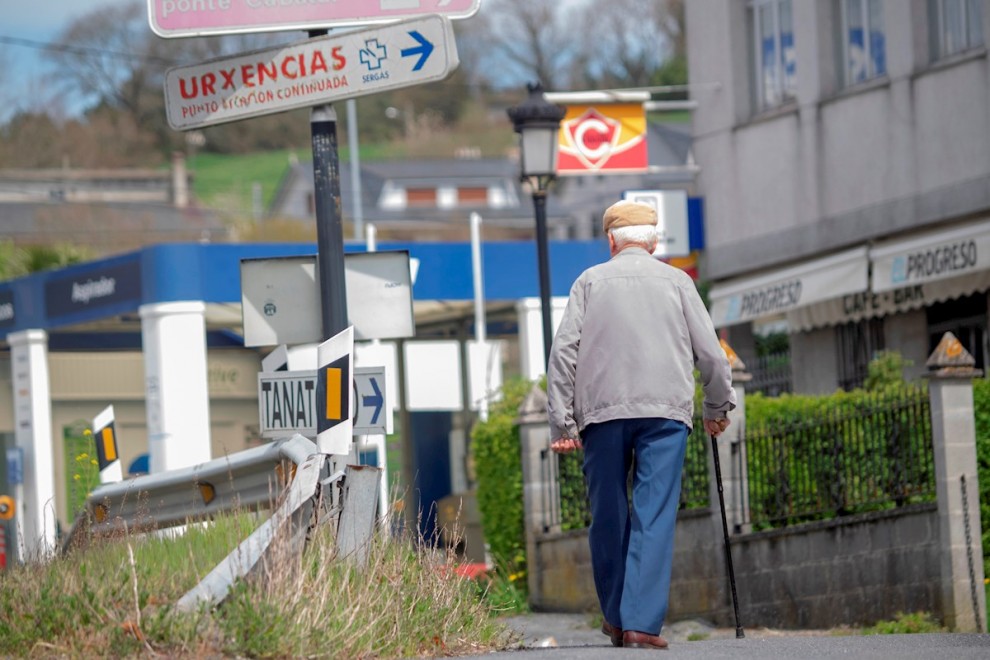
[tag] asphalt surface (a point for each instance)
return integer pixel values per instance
(560, 636)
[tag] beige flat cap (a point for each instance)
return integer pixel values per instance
(627, 214)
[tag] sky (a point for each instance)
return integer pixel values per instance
(37, 21)
(22, 67)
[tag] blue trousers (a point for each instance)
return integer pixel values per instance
(632, 547)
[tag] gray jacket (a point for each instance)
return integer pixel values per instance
(632, 333)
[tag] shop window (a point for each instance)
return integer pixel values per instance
(955, 26)
(856, 344)
(966, 318)
(774, 56)
(864, 49)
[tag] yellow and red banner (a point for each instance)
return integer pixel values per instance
(606, 138)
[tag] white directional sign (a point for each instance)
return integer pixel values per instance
(310, 73)
(371, 409)
(287, 403)
(190, 18)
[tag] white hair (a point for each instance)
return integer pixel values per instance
(643, 235)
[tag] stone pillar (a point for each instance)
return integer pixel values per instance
(177, 398)
(954, 439)
(35, 497)
(732, 451)
(541, 494)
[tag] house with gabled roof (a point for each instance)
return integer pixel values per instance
(109, 210)
(432, 199)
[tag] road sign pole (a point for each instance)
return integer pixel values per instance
(329, 221)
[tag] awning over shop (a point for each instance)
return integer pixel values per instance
(746, 299)
(910, 273)
(935, 255)
(868, 304)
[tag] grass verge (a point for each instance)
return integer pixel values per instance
(905, 623)
(116, 599)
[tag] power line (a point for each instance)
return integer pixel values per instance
(82, 50)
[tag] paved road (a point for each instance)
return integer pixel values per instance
(565, 636)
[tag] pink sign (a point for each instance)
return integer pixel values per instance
(190, 18)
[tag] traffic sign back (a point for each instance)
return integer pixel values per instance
(310, 73)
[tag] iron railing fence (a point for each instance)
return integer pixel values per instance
(870, 452)
(771, 374)
(571, 511)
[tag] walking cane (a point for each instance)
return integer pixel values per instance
(725, 535)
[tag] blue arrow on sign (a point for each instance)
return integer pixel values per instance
(377, 401)
(423, 49)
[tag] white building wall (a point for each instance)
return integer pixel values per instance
(838, 166)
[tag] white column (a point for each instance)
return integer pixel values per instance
(532, 363)
(175, 384)
(35, 498)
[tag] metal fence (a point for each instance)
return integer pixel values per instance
(771, 374)
(571, 511)
(870, 452)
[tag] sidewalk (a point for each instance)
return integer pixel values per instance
(551, 636)
(550, 630)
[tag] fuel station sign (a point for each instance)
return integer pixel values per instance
(608, 138)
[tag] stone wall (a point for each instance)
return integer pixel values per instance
(851, 571)
(856, 571)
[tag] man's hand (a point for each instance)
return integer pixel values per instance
(716, 426)
(565, 445)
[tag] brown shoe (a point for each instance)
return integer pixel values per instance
(639, 640)
(614, 633)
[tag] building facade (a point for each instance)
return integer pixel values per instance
(844, 149)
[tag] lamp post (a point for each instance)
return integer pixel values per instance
(538, 123)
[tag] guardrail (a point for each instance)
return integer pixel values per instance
(248, 480)
(288, 475)
(293, 516)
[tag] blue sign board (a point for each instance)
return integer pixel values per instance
(7, 318)
(103, 287)
(15, 466)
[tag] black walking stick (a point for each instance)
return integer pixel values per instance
(725, 535)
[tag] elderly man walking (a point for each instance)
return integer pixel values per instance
(620, 385)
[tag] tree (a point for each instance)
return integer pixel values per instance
(111, 61)
(106, 57)
(517, 41)
(30, 140)
(633, 41)
(17, 261)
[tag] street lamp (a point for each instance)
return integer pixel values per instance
(538, 123)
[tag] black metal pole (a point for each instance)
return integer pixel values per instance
(543, 258)
(329, 221)
(725, 536)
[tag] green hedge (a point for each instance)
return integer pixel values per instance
(981, 404)
(498, 467)
(814, 458)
